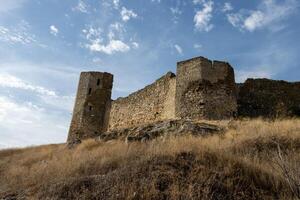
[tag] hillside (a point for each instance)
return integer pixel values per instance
(253, 159)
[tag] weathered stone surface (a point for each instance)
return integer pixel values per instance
(153, 103)
(202, 89)
(162, 128)
(268, 98)
(205, 90)
(92, 106)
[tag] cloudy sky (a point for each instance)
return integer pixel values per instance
(44, 44)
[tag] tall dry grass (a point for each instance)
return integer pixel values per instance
(249, 148)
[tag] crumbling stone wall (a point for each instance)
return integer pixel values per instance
(202, 89)
(205, 90)
(268, 98)
(153, 103)
(92, 105)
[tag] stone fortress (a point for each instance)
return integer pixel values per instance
(201, 89)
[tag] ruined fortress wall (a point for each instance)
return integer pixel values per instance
(268, 98)
(202, 89)
(205, 90)
(153, 103)
(90, 113)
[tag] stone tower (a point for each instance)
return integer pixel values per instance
(92, 106)
(205, 90)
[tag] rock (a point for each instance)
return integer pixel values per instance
(162, 128)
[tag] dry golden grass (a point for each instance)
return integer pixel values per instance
(243, 163)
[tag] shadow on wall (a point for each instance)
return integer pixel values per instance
(268, 98)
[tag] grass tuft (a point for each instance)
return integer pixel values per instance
(254, 159)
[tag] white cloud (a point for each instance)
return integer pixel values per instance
(269, 14)
(176, 11)
(7, 80)
(96, 42)
(53, 30)
(59, 102)
(18, 34)
(203, 17)
(115, 30)
(7, 107)
(97, 60)
(81, 7)
(198, 46)
(255, 20)
(227, 7)
(116, 3)
(32, 113)
(135, 45)
(178, 49)
(24, 124)
(92, 33)
(112, 47)
(127, 14)
(234, 19)
(50, 97)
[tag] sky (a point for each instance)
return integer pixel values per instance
(45, 44)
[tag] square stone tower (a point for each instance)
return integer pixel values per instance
(205, 90)
(92, 106)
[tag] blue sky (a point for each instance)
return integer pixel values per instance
(45, 44)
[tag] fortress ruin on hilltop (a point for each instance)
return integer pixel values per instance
(201, 89)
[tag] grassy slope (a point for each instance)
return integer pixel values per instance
(241, 164)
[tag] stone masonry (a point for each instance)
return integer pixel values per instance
(201, 89)
(268, 98)
(153, 103)
(91, 110)
(205, 90)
